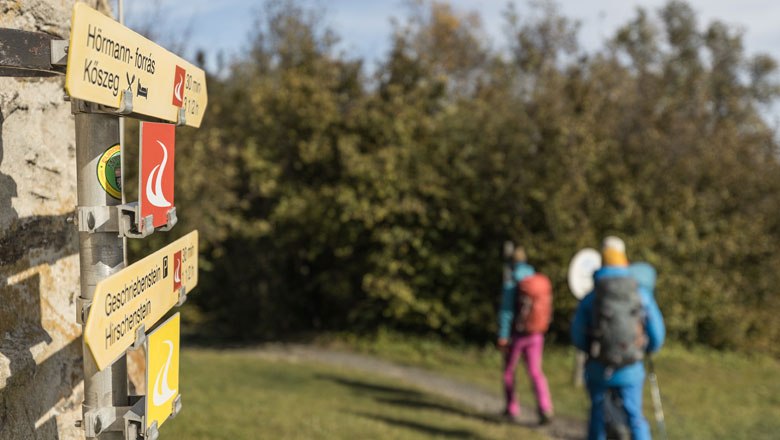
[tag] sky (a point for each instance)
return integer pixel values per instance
(365, 29)
(364, 26)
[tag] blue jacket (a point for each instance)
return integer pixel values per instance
(506, 311)
(654, 325)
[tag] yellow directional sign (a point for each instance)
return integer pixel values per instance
(162, 371)
(139, 294)
(105, 59)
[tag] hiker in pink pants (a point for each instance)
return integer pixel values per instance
(526, 308)
(530, 347)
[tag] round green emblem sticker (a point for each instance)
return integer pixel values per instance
(109, 172)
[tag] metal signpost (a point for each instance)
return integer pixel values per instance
(110, 71)
(100, 255)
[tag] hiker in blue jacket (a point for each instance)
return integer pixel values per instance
(626, 380)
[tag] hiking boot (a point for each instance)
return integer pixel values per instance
(509, 416)
(545, 417)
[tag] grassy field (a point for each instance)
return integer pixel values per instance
(706, 394)
(236, 395)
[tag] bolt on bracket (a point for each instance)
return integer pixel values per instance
(82, 310)
(98, 219)
(97, 421)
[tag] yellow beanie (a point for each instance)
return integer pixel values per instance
(613, 252)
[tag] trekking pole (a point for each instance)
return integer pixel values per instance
(655, 391)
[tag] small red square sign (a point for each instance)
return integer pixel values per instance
(178, 86)
(156, 177)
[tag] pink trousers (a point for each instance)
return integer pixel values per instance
(531, 348)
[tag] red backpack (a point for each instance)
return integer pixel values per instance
(534, 304)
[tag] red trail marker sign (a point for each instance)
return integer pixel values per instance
(156, 175)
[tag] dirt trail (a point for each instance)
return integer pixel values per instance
(486, 403)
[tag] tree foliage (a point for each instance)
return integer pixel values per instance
(330, 199)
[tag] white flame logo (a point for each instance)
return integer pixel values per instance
(162, 391)
(156, 196)
(177, 272)
(177, 88)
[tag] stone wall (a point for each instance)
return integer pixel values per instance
(41, 384)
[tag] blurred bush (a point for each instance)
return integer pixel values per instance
(330, 199)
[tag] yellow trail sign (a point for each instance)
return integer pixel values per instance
(139, 294)
(105, 58)
(162, 371)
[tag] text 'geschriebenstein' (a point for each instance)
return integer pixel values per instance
(129, 320)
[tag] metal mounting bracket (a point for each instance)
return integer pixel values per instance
(153, 433)
(82, 310)
(176, 406)
(140, 337)
(120, 219)
(134, 419)
(181, 117)
(31, 54)
(182, 296)
(125, 105)
(59, 53)
(127, 419)
(127, 222)
(98, 219)
(171, 220)
(97, 421)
